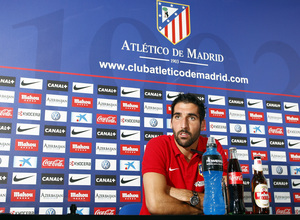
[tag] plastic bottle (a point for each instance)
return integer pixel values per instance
(212, 163)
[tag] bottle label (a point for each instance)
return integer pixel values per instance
(258, 165)
(235, 178)
(212, 162)
(261, 196)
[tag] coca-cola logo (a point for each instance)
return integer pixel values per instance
(235, 178)
(273, 130)
(6, 112)
(283, 210)
(53, 162)
(105, 211)
(106, 119)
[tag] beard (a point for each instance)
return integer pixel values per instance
(186, 142)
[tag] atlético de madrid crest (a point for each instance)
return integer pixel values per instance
(173, 20)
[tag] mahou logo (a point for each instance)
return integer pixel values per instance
(22, 195)
(27, 145)
(81, 147)
(256, 116)
(294, 157)
(106, 119)
(169, 109)
(130, 149)
(79, 195)
(263, 154)
(130, 106)
(217, 113)
(105, 211)
(53, 162)
(30, 98)
(6, 112)
(274, 130)
(294, 119)
(296, 197)
(130, 196)
(82, 102)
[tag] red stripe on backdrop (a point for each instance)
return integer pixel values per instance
(173, 32)
(166, 31)
(187, 12)
(180, 26)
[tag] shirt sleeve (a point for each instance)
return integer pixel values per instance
(225, 161)
(154, 157)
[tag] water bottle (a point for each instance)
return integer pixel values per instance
(212, 164)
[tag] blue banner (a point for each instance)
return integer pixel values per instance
(84, 85)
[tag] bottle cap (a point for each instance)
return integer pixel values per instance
(211, 140)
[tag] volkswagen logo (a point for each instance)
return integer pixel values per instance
(50, 211)
(55, 116)
(238, 128)
(153, 122)
(279, 170)
(105, 164)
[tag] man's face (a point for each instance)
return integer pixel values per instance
(186, 124)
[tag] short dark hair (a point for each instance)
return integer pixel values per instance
(190, 98)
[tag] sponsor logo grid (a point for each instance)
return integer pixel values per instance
(85, 144)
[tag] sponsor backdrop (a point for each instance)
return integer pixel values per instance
(84, 85)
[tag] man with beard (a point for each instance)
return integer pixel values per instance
(173, 183)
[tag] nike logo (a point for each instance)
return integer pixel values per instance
(16, 179)
(214, 100)
(255, 142)
(127, 135)
(78, 132)
(76, 180)
(79, 88)
(128, 92)
(170, 169)
(220, 139)
(127, 181)
(252, 103)
(296, 184)
(287, 107)
(19, 129)
(27, 84)
(291, 145)
(171, 96)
